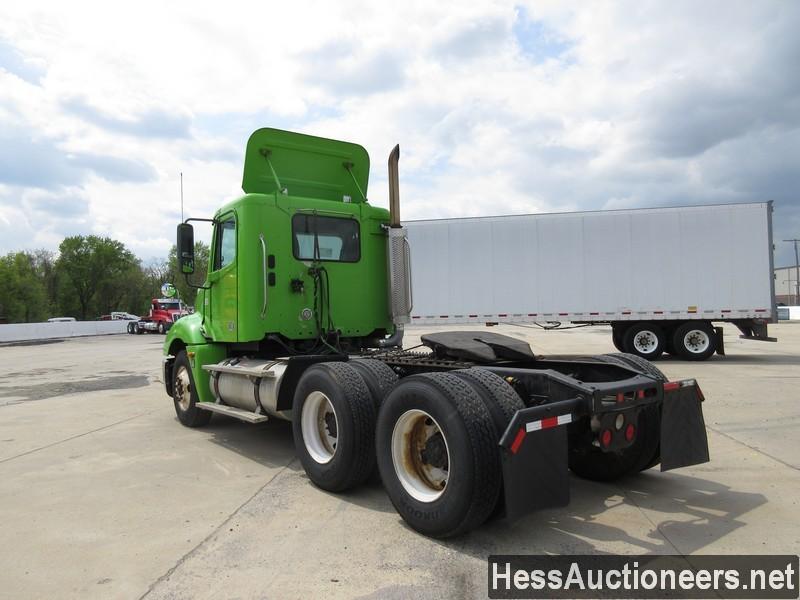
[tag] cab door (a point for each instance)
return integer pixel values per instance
(223, 281)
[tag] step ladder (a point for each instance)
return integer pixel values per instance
(232, 411)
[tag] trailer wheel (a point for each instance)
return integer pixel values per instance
(139, 329)
(694, 340)
(437, 454)
(161, 329)
(644, 339)
(131, 328)
(184, 394)
(334, 426)
(378, 376)
(617, 334)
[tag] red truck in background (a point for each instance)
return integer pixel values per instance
(163, 313)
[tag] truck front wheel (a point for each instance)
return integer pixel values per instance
(184, 394)
(437, 454)
(333, 422)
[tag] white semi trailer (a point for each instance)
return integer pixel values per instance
(661, 277)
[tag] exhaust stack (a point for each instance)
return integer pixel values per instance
(398, 253)
(394, 188)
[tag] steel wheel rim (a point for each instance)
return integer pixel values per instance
(696, 341)
(320, 427)
(412, 433)
(183, 388)
(645, 342)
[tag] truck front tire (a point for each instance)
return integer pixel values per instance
(333, 422)
(437, 454)
(184, 394)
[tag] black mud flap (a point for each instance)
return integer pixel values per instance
(683, 430)
(535, 472)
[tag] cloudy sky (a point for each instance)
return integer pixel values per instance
(499, 107)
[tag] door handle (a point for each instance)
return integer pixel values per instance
(264, 271)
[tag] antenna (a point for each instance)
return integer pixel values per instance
(181, 196)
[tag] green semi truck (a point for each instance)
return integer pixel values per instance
(301, 318)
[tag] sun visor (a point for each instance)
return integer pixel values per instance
(305, 165)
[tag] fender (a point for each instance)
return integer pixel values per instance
(186, 331)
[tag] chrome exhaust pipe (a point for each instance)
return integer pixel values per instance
(398, 253)
(394, 187)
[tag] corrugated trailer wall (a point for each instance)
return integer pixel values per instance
(700, 262)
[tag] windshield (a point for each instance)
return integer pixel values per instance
(169, 305)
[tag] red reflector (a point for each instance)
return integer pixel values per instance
(671, 385)
(630, 432)
(549, 422)
(518, 440)
(620, 397)
(605, 438)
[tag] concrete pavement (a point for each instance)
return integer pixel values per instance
(104, 494)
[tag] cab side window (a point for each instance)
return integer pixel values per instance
(226, 244)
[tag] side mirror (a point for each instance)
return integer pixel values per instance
(185, 248)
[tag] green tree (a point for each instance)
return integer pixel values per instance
(187, 293)
(96, 275)
(44, 262)
(23, 298)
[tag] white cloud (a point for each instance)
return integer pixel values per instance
(499, 107)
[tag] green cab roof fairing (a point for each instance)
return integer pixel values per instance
(304, 165)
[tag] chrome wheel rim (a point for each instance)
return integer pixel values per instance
(420, 455)
(320, 427)
(645, 342)
(183, 388)
(696, 341)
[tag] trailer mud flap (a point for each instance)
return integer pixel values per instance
(537, 475)
(683, 429)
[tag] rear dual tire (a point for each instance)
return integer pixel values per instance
(437, 454)
(590, 462)
(333, 424)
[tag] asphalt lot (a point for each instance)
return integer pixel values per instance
(104, 494)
